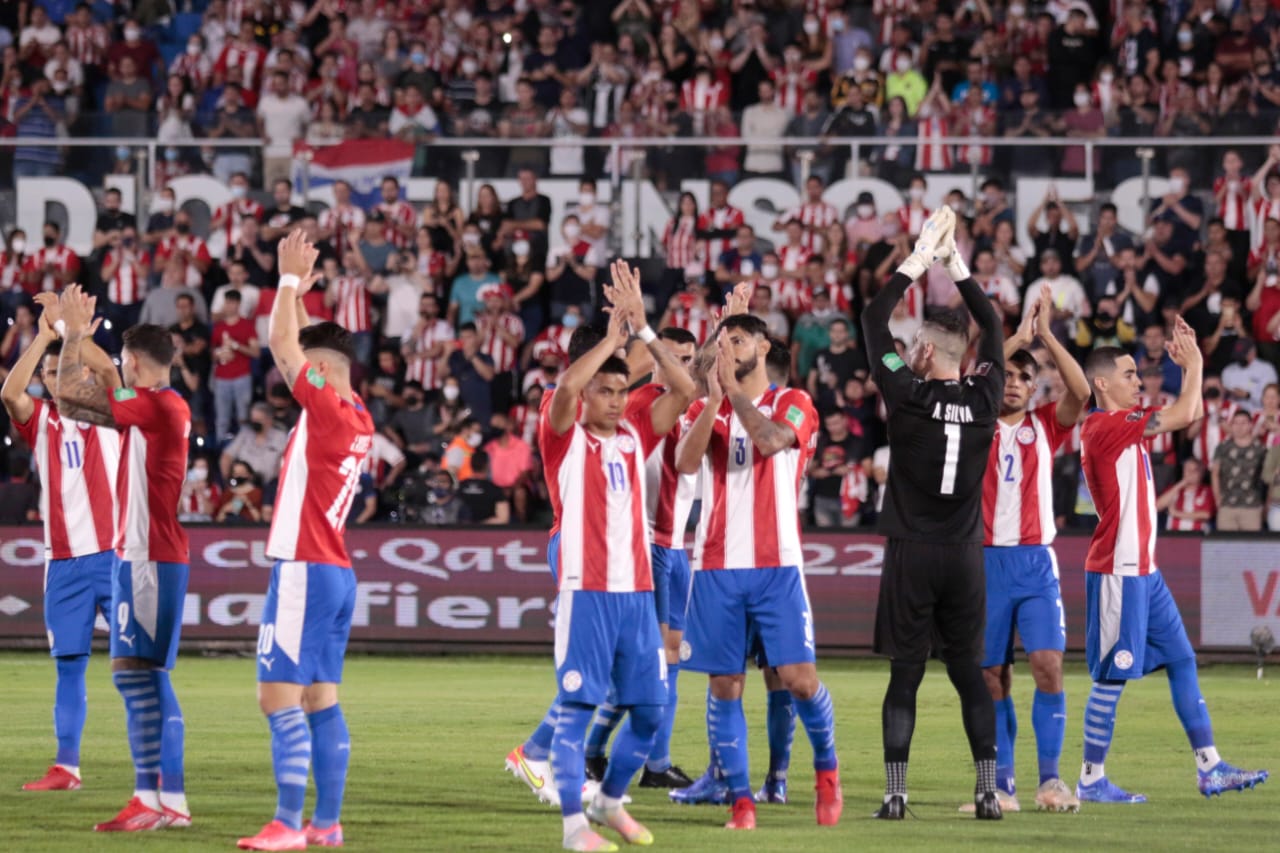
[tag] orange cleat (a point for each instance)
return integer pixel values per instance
(275, 836)
(328, 837)
(135, 817)
(830, 798)
(744, 814)
(58, 778)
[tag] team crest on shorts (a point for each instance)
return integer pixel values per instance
(572, 681)
(1025, 435)
(1124, 659)
(626, 443)
(686, 650)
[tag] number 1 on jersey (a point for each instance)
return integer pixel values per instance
(951, 459)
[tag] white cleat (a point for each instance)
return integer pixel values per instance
(1055, 796)
(535, 774)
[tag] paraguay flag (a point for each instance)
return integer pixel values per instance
(363, 163)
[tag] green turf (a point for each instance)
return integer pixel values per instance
(429, 737)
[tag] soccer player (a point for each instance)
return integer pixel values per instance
(606, 627)
(755, 439)
(1133, 626)
(149, 579)
(940, 433)
(1021, 568)
(306, 618)
(77, 464)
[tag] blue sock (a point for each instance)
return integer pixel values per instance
(1006, 734)
(819, 719)
(291, 757)
(70, 703)
(538, 746)
(781, 727)
(660, 755)
(567, 767)
(1189, 703)
(727, 733)
(172, 735)
(331, 753)
(1100, 720)
(607, 718)
(1049, 719)
(631, 747)
(142, 718)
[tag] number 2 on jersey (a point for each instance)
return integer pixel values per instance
(1008, 468)
(951, 459)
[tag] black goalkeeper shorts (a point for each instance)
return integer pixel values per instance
(932, 598)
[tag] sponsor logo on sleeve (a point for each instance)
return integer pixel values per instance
(795, 416)
(123, 394)
(893, 361)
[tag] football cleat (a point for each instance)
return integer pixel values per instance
(586, 838)
(1008, 803)
(57, 778)
(617, 819)
(773, 790)
(706, 790)
(830, 803)
(597, 766)
(535, 774)
(275, 836)
(893, 808)
(987, 807)
(589, 790)
(744, 814)
(1103, 791)
(328, 837)
(1055, 796)
(134, 817)
(174, 819)
(671, 778)
(1223, 777)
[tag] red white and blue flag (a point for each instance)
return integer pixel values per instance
(362, 163)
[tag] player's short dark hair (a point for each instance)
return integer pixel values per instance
(748, 323)
(155, 342)
(950, 322)
(1102, 360)
(616, 365)
(1023, 358)
(328, 336)
(677, 335)
(53, 349)
(583, 340)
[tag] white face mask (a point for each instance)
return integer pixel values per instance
(520, 248)
(716, 43)
(903, 64)
(198, 475)
(469, 67)
(475, 439)
(239, 190)
(811, 26)
(837, 25)
(60, 86)
(1106, 78)
(471, 238)
(746, 267)
(132, 34)
(1177, 185)
(193, 49)
(915, 193)
(861, 63)
(586, 199)
(19, 246)
(572, 230)
(1082, 99)
(162, 205)
(866, 211)
(1017, 10)
(769, 270)
(450, 392)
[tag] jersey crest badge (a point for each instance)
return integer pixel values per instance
(1124, 659)
(626, 444)
(893, 361)
(572, 681)
(122, 394)
(1025, 435)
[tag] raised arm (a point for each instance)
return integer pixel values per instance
(17, 402)
(875, 318)
(297, 263)
(991, 345)
(94, 356)
(79, 395)
(1076, 395)
(693, 446)
(1188, 407)
(767, 435)
(564, 402)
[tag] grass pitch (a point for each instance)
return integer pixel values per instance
(429, 736)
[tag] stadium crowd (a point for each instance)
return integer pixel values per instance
(462, 308)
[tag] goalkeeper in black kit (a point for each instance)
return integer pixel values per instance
(932, 588)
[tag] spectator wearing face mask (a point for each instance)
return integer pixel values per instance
(1180, 207)
(484, 501)
(443, 506)
(200, 496)
(458, 453)
(242, 500)
(259, 443)
(413, 427)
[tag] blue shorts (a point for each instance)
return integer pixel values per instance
(671, 582)
(305, 623)
(1132, 626)
(147, 600)
(731, 606)
(1023, 592)
(75, 592)
(609, 640)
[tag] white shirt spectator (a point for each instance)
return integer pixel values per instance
(424, 118)
(75, 71)
(46, 36)
(249, 294)
(598, 214)
(403, 295)
(764, 121)
(1252, 377)
(1068, 296)
(284, 120)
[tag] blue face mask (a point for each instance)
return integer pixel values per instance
(418, 58)
(570, 321)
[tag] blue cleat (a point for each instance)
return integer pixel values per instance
(1223, 777)
(773, 791)
(707, 790)
(1103, 791)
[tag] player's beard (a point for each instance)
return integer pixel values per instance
(744, 370)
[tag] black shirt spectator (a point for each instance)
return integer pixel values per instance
(474, 371)
(1071, 59)
(485, 503)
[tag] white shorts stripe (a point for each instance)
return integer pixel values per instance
(291, 608)
(1110, 610)
(564, 616)
(146, 596)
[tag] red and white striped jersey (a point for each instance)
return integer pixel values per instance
(492, 343)
(419, 367)
(1191, 499)
(77, 464)
(680, 243)
(791, 86)
(249, 59)
(350, 297)
(750, 513)
(816, 218)
(694, 319)
(1017, 490)
(1263, 209)
(888, 13)
(600, 481)
(88, 44)
(347, 222)
(793, 295)
(911, 219)
(968, 121)
(556, 334)
(129, 284)
(320, 474)
(1118, 473)
(196, 250)
(196, 70)
(1213, 428)
(791, 259)
(1160, 447)
(524, 423)
(399, 213)
(1233, 209)
(63, 260)
(854, 488)
(933, 154)
(233, 213)
(727, 218)
(669, 495)
(699, 96)
(156, 424)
